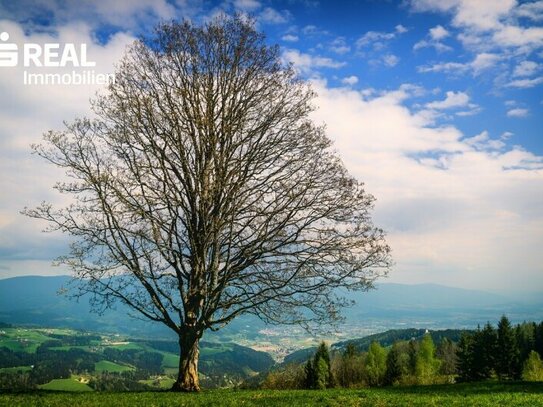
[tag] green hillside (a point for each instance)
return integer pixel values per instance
(384, 338)
(37, 357)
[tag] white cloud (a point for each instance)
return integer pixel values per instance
(312, 30)
(272, 16)
(532, 10)
(489, 24)
(350, 80)
(378, 39)
(307, 63)
(126, 14)
(247, 5)
(452, 100)
(482, 141)
(484, 61)
(438, 33)
(26, 112)
(526, 68)
(290, 38)
(458, 210)
(438, 46)
(339, 46)
(480, 63)
(518, 112)
(525, 83)
(390, 60)
(400, 29)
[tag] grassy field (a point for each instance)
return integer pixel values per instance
(69, 385)
(22, 339)
(478, 394)
(107, 366)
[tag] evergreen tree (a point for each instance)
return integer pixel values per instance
(397, 363)
(465, 358)
(507, 356)
(322, 374)
(318, 372)
(413, 349)
(525, 335)
(376, 364)
(446, 353)
(484, 353)
(309, 375)
(538, 342)
(350, 371)
(324, 353)
(427, 366)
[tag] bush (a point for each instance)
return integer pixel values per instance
(533, 368)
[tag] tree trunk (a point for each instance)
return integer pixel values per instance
(187, 379)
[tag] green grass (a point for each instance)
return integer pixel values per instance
(70, 385)
(165, 383)
(481, 394)
(22, 339)
(66, 348)
(107, 366)
(170, 360)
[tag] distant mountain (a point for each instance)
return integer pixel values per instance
(34, 300)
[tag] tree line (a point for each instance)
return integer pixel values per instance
(503, 353)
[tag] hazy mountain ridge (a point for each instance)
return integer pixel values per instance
(33, 300)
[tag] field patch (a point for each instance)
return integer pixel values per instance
(107, 366)
(72, 385)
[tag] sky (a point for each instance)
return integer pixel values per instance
(436, 105)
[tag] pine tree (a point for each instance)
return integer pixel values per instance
(538, 343)
(465, 358)
(318, 372)
(446, 353)
(397, 363)
(484, 352)
(507, 356)
(322, 375)
(525, 334)
(309, 375)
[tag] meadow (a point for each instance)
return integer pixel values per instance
(469, 394)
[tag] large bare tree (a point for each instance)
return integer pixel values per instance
(203, 191)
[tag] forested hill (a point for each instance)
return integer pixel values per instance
(384, 338)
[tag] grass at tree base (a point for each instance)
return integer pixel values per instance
(467, 394)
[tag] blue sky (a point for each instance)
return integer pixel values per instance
(436, 105)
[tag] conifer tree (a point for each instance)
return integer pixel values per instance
(465, 358)
(397, 363)
(318, 372)
(446, 353)
(507, 356)
(538, 343)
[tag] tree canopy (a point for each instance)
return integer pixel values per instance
(201, 190)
